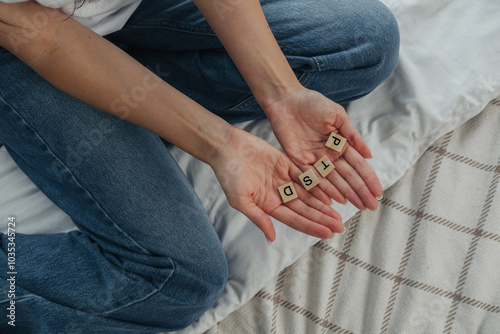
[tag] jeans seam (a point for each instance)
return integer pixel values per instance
(129, 304)
(306, 77)
(73, 177)
(243, 104)
(171, 26)
(320, 62)
(7, 301)
(155, 291)
(288, 50)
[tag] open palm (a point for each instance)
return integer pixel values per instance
(250, 170)
(302, 122)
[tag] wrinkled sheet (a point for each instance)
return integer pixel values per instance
(449, 69)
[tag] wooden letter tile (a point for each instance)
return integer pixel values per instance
(336, 142)
(324, 166)
(309, 179)
(287, 192)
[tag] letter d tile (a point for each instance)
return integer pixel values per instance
(287, 192)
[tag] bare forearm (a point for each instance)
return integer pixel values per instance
(88, 67)
(243, 30)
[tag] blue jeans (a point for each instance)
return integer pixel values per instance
(146, 257)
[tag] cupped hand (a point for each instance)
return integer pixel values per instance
(250, 170)
(302, 122)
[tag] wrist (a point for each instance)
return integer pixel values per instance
(271, 80)
(274, 90)
(210, 139)
(281, 103)
(239, 145)
(220, 147)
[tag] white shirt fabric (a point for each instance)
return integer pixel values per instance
(102, 16)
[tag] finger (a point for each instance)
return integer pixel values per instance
(289, 217)
(331, 190)
(259, 218)
(349, 131)
(321, 195)
(351, 176)
(345, 187)
(364, 170)
(319, 207)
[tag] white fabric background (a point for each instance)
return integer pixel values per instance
(103, 17)
(449, 70)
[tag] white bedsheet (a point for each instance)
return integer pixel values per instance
(449, 70)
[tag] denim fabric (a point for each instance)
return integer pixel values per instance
(341, 48)
(146, 258)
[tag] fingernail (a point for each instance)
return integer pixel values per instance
(371, 157)
(381, 197)
(346, 201)
(269, 241)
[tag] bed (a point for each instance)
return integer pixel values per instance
(426, 261)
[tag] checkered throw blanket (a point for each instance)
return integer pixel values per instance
(428, 261)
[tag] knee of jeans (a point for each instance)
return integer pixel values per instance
(211, 276)
(371, 47)
(383, 35)
(197, 281)
(197, 285)
(355, 48)
(376, 49)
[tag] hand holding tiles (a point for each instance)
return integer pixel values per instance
(324, 166)
(304, 121)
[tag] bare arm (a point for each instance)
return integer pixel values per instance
(86, 66)
(301, 119)
(71, 57)
(243, 30)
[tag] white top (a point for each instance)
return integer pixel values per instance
(102, 16)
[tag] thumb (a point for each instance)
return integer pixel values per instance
(259, 218)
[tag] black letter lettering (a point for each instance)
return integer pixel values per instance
(307, 181)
